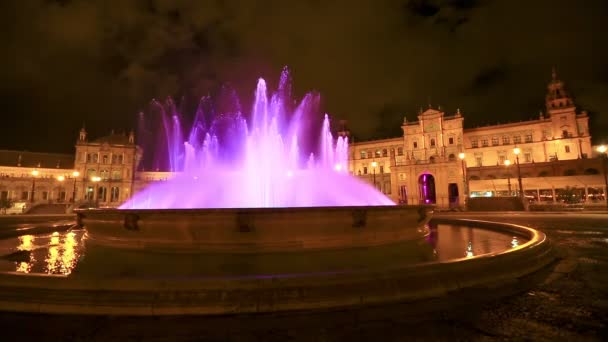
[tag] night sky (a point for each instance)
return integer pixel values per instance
(65, 63)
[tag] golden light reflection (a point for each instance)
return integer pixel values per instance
(63, 255)
(470, 250)
(26, 242)
(514, 242)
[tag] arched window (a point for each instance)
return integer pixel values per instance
(451, 157)
(570, 172)
(432, 159)
(432, 142)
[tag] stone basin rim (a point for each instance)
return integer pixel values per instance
(319, 292)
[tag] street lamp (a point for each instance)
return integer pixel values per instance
(374, 165)
(75, 174)
(96, 179)
(507, 163)
(602, 149)
(34, 174)
(517, 151)
(461, 155)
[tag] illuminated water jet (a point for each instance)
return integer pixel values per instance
(267, 162)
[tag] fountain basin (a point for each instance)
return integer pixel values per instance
(394, 280)
(254, 230)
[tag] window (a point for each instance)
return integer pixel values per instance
(45, 195)
(501, 160)
(517, 139)
(484, 142)
(432, 142)
(365, 170)
(378, 153)
(415, 144)
(104, 174)
(478, 161)
(567, 148)
(114, 194)
(370, 154)
(381, 168)
(120, 159)
(400, 151)
(564, 134)
(114, 158)
(432, 159)
(105, 158)
(384, 152)
(451, 157)
(101, 194)
(61, 196)
(89, 194)
(451, 140)
(387, 188)
(494, 141)
(116, 174)
(505, 140)
(528, 157)
(474, 143)
(363, 155)
(90, 173)
(24, 195)
(88, 157)
(528, 138)
(95, 157)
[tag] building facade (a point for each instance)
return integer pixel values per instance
(435, 161)
(438, 161)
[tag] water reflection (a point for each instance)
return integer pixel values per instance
(26, 243)
(57, 253)
(469, 252)
(62, 255)
(514, 242)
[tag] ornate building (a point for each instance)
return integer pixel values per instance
(436, 159)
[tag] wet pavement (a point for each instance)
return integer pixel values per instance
(565, 302)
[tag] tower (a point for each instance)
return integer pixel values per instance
(83, 135)
(131, 137)
(557, 96)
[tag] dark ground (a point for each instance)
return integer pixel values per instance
(565, 302)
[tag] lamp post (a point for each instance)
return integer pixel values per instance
(465, 184)
(374, 165)
(34, 174)
(75, 174)
(60, 179)
(603, 150)
(517, 151)
(96, 179)
(507, 163)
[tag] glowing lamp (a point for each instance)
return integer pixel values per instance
(75, 173)
(35, 173)
(507, 162)
(517, 150)
(602, 149)
(374, 164)
(61, 178)
(461, 155)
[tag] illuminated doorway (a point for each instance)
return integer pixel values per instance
(426, 186)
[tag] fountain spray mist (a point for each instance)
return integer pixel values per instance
(267, 162)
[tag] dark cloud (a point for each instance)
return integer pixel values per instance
(100, 62)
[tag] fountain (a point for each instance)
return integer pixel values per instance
(267, 163)
(258, 218)
(267, 184)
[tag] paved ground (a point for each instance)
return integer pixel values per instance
(566, 302)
